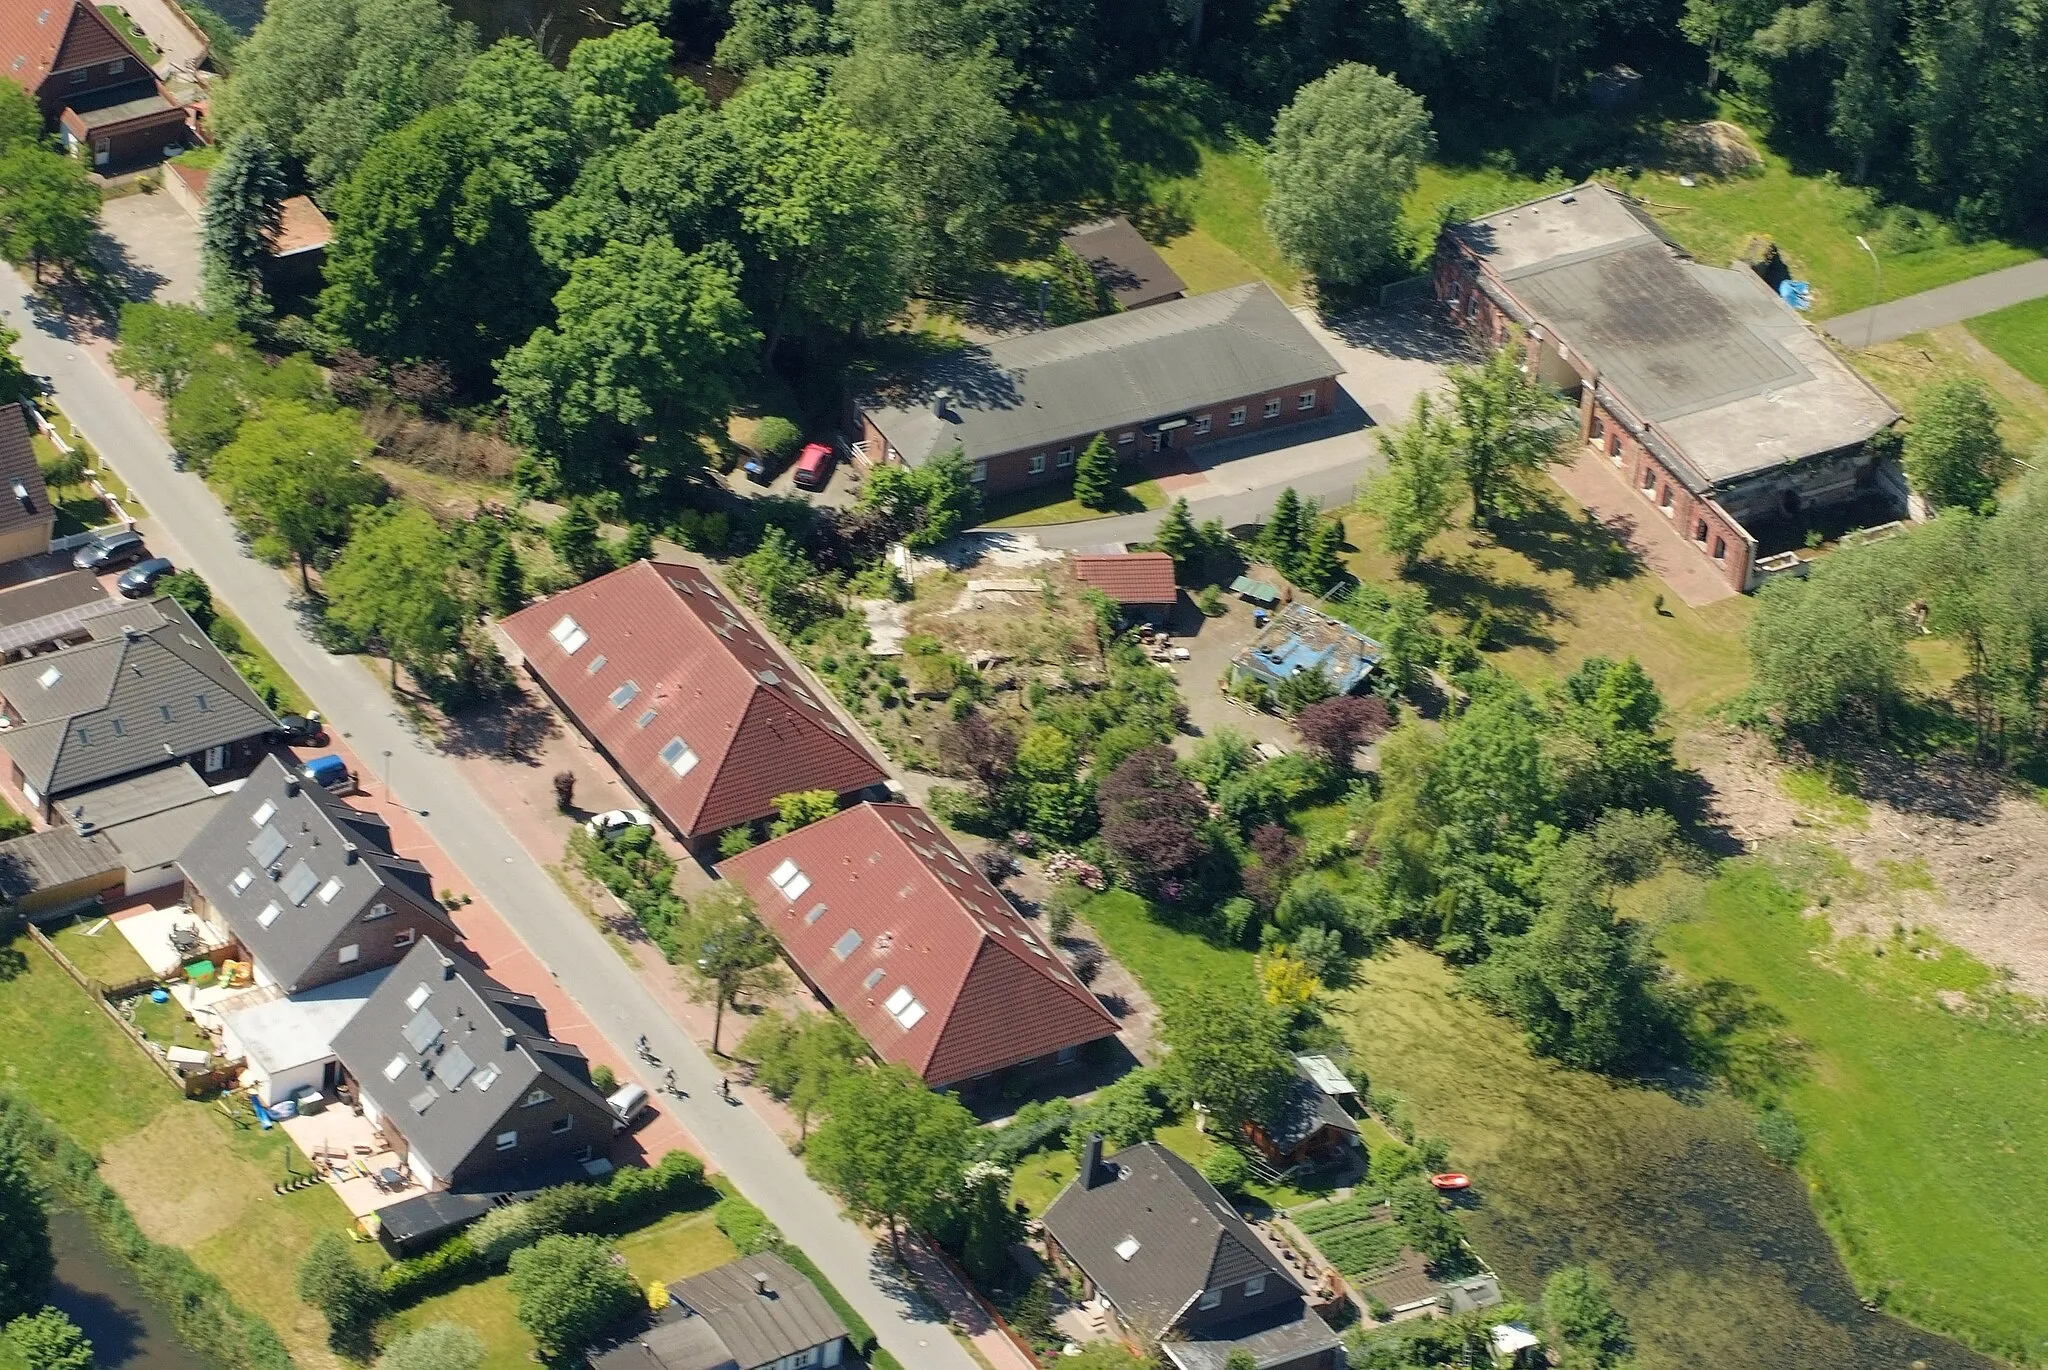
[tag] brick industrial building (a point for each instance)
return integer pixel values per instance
(1717, 404)
(1175, 375)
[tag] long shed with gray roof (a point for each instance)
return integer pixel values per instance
(312, 888)
(463, 1076)
(1232, 363)
(756, 1313)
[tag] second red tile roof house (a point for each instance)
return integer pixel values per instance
(884, 918)
(701, 714)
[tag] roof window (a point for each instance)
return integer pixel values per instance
(874, 978)
(645, 719)
(50, 676)
(487, 1077)
(568, 635)
(678, 757)
(790, 880)
(419, 996)
(329, 890)
(241, 880)
(395, 1067)
(1127, 1248)
(625, 695)
(596, 664)
(264, 813)
(816, 912)
(269, 914)
(298, 882)
(904, 1008)
(847, 945)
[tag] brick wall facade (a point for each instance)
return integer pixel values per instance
(1050, 462)
(1701, 521)
(68, 87)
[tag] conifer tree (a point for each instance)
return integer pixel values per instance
(1095, 473)
(244, 213)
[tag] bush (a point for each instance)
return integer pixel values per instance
(1779, 1134)
(502, 1231)
(745, 1225)
(453, 1262)
(569, 1292)
(342, 1290)
(777, 439)
(602, 1080)
(1035, 1126)
(437, 1346)
(1227, 1168)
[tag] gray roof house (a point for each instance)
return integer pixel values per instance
(1154, 371)
(756, 1313)
(146, 689)
(1179, 1268)
(462, 1076)
(1127, 266)
(310, 887)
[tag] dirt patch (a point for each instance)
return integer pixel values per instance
(179, 1179)
(1958, 852)
(1716, 147)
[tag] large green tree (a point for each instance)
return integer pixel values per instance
(568, 1291)
(295, 477)
(798, 1059)
(26, 1260)
(1510, 424)
(1228, 1055)
(48, 1340)
(48, 207)
(729, 954)
(432, 255)
(822, 217)
(1953, 452)
(680, 179)
(1416, 496)
(1830, 650)
(521, 106)
(1343, 156)
(1589, 1332)
(162, 345)
(647, 353)
(21, 119)
(244, 211)
(392, 582)
(620, 84)
(892, 1150)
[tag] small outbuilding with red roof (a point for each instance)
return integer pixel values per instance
(884, 919)
(1141, 583)
(699, 711)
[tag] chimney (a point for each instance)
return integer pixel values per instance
(348, 853)
(1091, 1161)
(761, 1284)
(291, 785)
(942, 404)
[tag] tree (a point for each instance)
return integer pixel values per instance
(437, 1346)
(620, 84)
(731, 954)
(1228, 1168)
(979, 746)
(1343, 156)
(504, 580)
(798, 1060)
(391, 582)
(432, 255)
(801, 807)
(1509, 424)
(1583, 1321)
(924, 504)
(1054, 799)
(163, 344)
(1152, 819)
(680, 180)
(26, 1260)
(1177, 535)
(1228, 1054)
(191, 594)
(574, 537)
(1286, 529)
(48, 207)
(569, 1292)
(646, 354)
(822, 219)
(244, 211)
(1830, 650)
(1415, 498)
(521, 107)
(1321, 564)
(296, 478)
(1095, 472)
(1336, 728)
(1125, 1112)
(1603, 747)
(332, 1281)
(49, 1340)
(1953, 454)
(1425, 1225)
(21, 120)
(892, 1150)
(984, 1226)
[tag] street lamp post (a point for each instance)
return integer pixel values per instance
(1870, 319)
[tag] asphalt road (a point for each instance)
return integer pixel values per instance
(1943, 305)
(190, 528)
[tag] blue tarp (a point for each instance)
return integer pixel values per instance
(1798, 294)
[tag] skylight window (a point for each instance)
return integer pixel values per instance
(678, 757)
(568, 635)
(269, 914)
(241, 880)
(395, 1067)
(625, 694)
(1127, 1248)
(645, 719)
(791, 881)
(50, 676)
(420, 994)
(904, 1008)
(847, 945)
(487, 1077)
(264, 813)
(329, 890)
(596, 664)
(874, 978)
(816, 912)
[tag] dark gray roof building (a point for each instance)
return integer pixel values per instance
(311, 888)
(1101, 375)
(751, 1314)
(51, 595)
(1127, 266)
(146, 690)
(465, 1073)
(26, 518)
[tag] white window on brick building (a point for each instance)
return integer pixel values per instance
(1305, 401)
(1272, 410)
(1066, 456)
(1237, 417)
(1201, 424)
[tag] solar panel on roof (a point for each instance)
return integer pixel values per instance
(298, 882)
(423, 1031)
(267, 845)
(455, 1067)
(423, 1100)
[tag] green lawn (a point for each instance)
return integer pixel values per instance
(1815, 223)
(104, 955)
(2020, 336)
(1039, 505)
(260, 668)
(1927, 1127)
(1226, 198)
(66, 1057)
(679, 1245)
(143, 47)
(1165, 960)
(1903, 368)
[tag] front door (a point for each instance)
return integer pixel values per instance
(1162, 441)
(102, 151)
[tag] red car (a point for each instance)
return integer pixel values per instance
(813, 467)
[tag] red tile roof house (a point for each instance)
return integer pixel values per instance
(885, 920)
(1141, 583)
(702, 716)
(89, 82)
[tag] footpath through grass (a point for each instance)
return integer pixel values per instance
(1927, 1124)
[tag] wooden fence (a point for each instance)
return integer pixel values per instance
(191, 1086)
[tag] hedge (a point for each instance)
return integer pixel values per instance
(206, 1318)
(1036, 1125)
(625, 1199)
(744, 1225)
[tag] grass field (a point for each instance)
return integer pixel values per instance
(1036, 506)
(120, 20)
(1902, 369)
(1165, 960)
(2020, 336)
(1927, 1125)
(104, 955)
(1226, 199)
(677, 1246)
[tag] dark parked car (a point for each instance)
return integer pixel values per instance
(139, 579)
(301, 730)
(109, 549)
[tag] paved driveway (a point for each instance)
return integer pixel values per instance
(151, 246)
